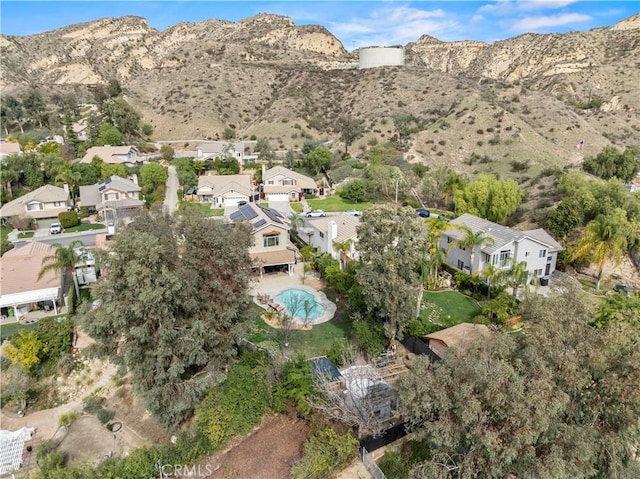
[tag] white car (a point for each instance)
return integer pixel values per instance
(55, 228)
(315, 213)
(353, 212)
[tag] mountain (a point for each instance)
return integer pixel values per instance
(531, 98)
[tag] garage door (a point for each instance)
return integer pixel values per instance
(234, 200)
(46, 222)
(278, 197)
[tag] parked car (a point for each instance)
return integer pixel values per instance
(423, 213)
(353, 212)
(621, 288)
(315, 213)
(242, 203)
(55, 228)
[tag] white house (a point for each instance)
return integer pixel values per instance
(536, 247)
(225, 190)
(219, 149)
(271, 249)
(42, 205)
(126, 155)
(324, 232)
(282, 184)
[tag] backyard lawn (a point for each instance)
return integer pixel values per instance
(456, 308)
(9, 329)
(26, 234)
(4, 232)
(335, 204)
(296, 207)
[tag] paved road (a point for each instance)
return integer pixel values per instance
(88, 238)
(171, 193)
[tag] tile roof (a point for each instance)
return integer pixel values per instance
(274, 258)
(9, 148)
(90, 195)
(502, 235)
(460, 335)
(108, 154)
(347, 225)
(302, 180)
(44, 194)
(221, 184)
(20, 267)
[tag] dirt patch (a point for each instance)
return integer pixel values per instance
(87, 439)
(267, 453)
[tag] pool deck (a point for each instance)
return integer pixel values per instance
(274, 284)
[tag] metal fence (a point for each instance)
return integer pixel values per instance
(371, 465)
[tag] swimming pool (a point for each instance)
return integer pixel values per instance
(300, 303)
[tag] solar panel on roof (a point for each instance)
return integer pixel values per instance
(273, 215)
(259, 223)
(248, 212)
(236, 215)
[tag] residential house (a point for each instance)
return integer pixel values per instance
(116, 198)
(126, 155)
(81, 129)
(536, 247)
(85, 269)
(220, 149)
(272, 250)
(22, 291)
(42, 205)
(459, 337)
(225, 190)
(324, 232)
(9, 148)
(282, 184)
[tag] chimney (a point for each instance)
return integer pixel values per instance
(66, 188)
(134, 178)
(332, 233)
(264, 170)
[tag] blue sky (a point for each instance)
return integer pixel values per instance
(355, 23)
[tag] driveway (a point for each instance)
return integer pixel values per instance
(282, 206)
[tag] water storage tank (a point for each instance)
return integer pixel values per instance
(372, 57)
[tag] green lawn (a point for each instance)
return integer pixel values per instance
(314, 342)
(4, 232)
(336, 204)
(9, 329)
(456, 308)
(206, 209)
(85, 227)
(26, 234)
(297, 207)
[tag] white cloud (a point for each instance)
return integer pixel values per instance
(395, 25)
(508, 7)
(528, 24)
(477, 18)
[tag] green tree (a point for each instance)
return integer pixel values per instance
(34, 105)
(167, 152)
(619, 307)
(474, 240)
(319, 158)
(123, 116)
(229, 133)
(604, 239)
(264, 150)
(172, 322)
(389, 245)
(152, 175)
(350, 130)
(354, 191)
(109, 135)
(489, 198)
(64, 259)
(146, 129)
(26, 349)
(610, 163)
(515, 275)
(560, 401)
(88, 174)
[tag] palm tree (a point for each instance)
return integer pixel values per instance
(492, 275)
(342, 247)
(604, 239)
(297, 220)
(63, 259)
(516, 275)
(473, 240)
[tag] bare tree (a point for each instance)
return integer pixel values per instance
(360, 399)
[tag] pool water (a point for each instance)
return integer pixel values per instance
(296, 299)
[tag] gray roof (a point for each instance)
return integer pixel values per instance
(91, 195)
(347, 225)
(502, 235)
(44, 194)
(302, 181)
(221, 184)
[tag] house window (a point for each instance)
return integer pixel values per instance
(111, 196)
(543, 253)
(321, 234)
(271, 240)
(460, 264)
(57, 204)
(449, 240)
(270, 182)
(549, 258)
(527, 253)
(504, 255)
(538, 272)
(34, 206)
(486, 257)
(287, 182)
(294, 194)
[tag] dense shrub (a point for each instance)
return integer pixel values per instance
(68, 219)
(324, 452)
(370, 336)
(105, 415)
(295, 387)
